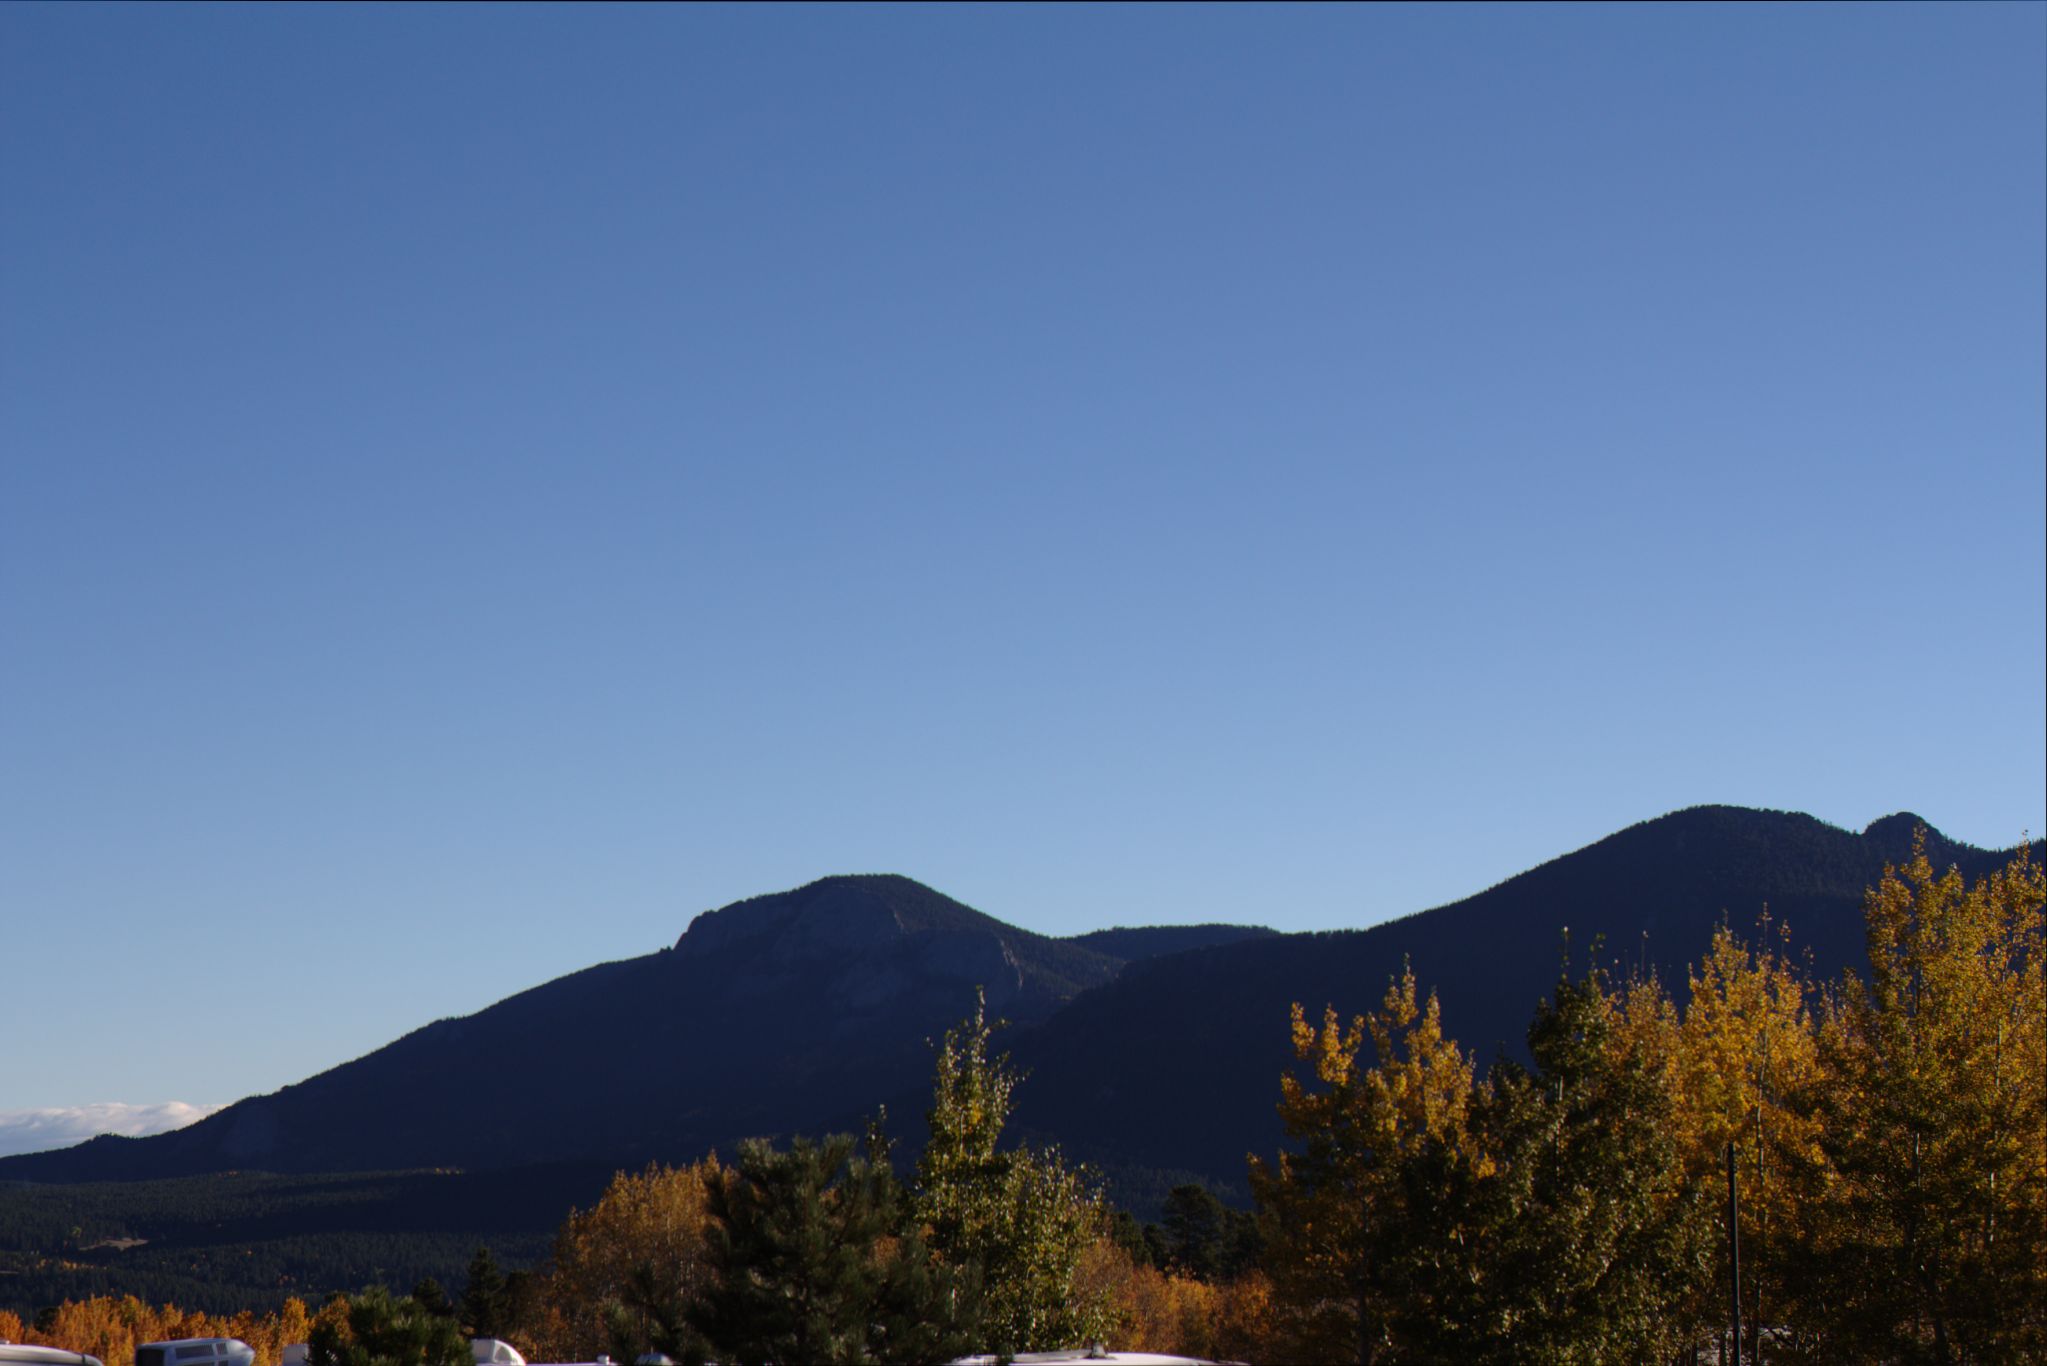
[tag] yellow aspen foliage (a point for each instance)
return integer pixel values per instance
(10, 1326)
(1746, 1060)
(637, 1252)
(1340, 1211)
(1150, 1310)
(111, 1329)
(1746, 1052)
(1933, 1123)
(270, 1334)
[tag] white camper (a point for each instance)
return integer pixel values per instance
(14, 1354)
(196, 1352)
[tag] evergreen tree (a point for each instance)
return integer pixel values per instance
(790, 1244)
(1202, 1237)
(927, 1310)
(649, 1315)
(381, 1331)
(1194, 1221)
(813, 1263)
(485, 1308)
(1144, 1244)
(429, 1296)
(523, 1304)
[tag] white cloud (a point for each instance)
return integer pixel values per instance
(32, 1131)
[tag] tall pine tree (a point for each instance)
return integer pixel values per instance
(485, 1308)
(813, 1262)
(378, 1330)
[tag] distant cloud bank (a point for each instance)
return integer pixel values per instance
(32, 1131)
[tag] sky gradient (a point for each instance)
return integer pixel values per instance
(479, 486)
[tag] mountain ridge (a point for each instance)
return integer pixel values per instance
(1650, 895)
(804, 1009)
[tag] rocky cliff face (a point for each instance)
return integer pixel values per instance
(860, 946)
(813, 924)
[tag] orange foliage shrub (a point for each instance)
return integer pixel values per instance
(652, 1223)
(111, 1329)
(1156, 1311)
(1243, 1326)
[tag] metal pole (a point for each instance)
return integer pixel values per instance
(1734, 1251)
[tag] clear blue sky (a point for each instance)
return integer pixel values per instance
(484, 485)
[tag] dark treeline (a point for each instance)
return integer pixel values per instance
(221, 1278)
(251, 1240)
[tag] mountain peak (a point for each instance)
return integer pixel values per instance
(846, 912)
(1897, 830)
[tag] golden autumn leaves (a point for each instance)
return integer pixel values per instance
(1890, 1130)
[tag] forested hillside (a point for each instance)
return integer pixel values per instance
(249, 1240)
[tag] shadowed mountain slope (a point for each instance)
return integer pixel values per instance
(771, 1015)
(1176, 1065)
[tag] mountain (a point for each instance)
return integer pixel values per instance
(769, 1016)
(1176, 1065)
(1149, 1050)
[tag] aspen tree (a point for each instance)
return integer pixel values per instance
(1933, 1123)
(1019, 1220)
(1348, 1236)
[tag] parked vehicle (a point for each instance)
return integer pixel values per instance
(15, 1354)
(196, 1352)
